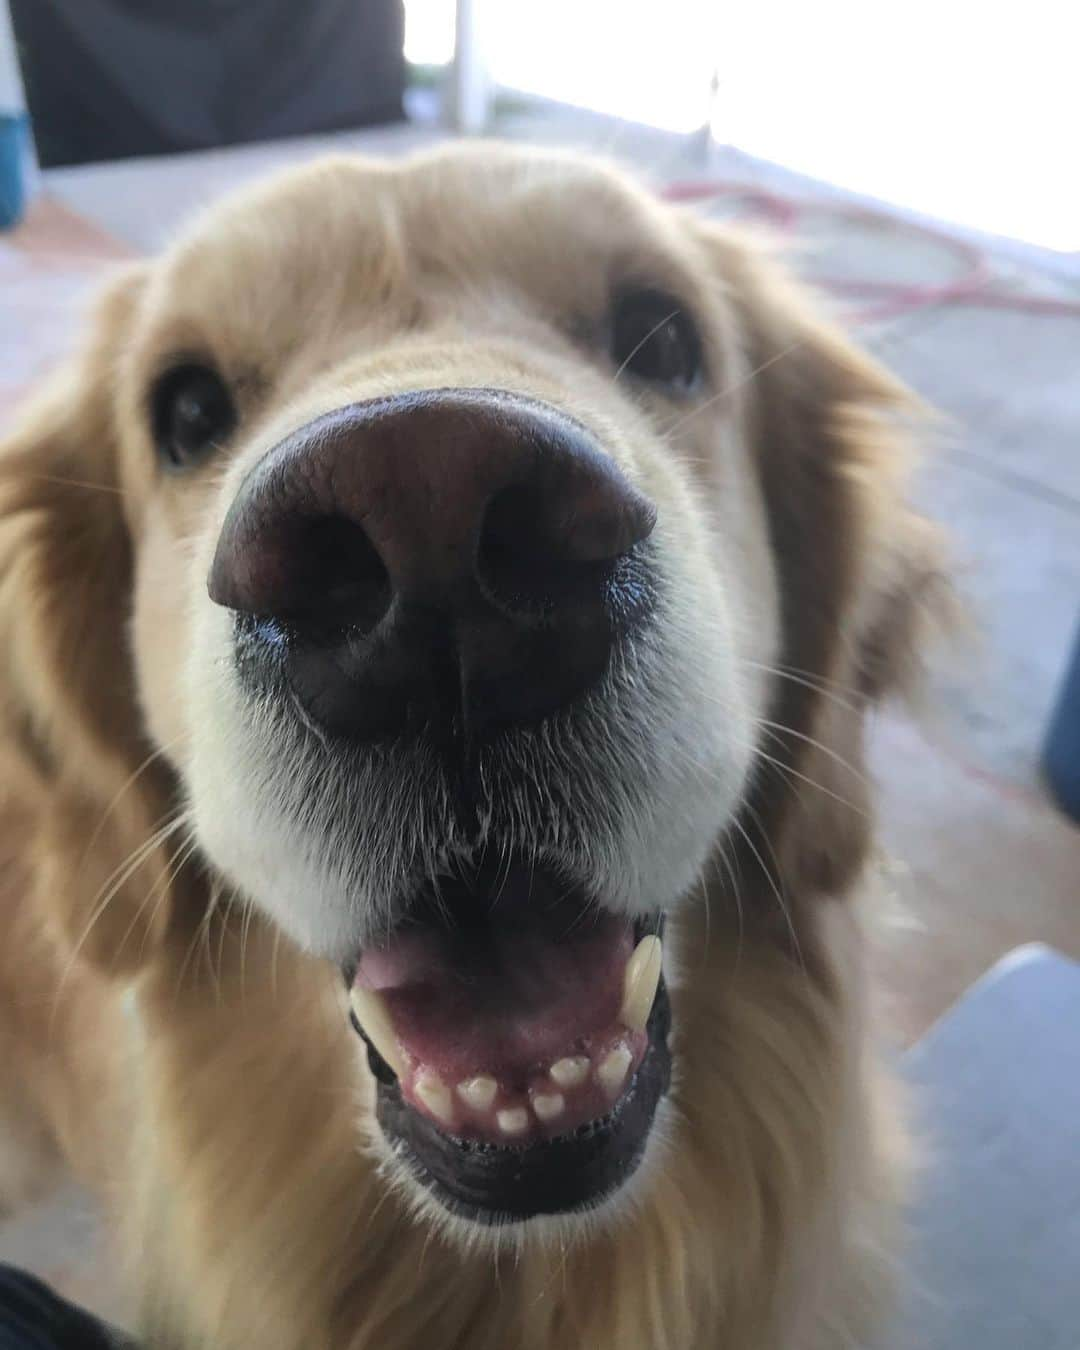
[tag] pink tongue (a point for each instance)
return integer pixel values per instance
(506, 1004)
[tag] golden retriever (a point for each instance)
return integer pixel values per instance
(440, 603)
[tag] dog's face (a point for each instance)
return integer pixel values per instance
(469, 541)
(475, 685)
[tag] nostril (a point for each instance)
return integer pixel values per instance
(313, 575)
(562, 532)
(339, 578)
(522, 561)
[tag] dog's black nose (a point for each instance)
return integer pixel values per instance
(452, 557)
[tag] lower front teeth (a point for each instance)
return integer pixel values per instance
(570, 1072)
(613, 1069)
(548, 1105)
(514, 1120)
(479, 1092)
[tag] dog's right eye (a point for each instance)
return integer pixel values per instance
(193, 414)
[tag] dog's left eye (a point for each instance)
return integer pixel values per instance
(653, 338)
(193, 414)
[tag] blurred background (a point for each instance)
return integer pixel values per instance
(918, 160)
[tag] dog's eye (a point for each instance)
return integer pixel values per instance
(653, 338)
(193, 414)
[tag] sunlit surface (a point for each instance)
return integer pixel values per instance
(429, 31)
(969, 113)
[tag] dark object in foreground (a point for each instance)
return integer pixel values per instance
(106, 79)
(1061, 756)
(33, 1317)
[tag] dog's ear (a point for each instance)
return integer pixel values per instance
(71, 745)
(862, 577)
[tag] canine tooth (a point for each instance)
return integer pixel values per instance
(640, 982)
(613, 1069)
(513, 1120)
(570, 1072)
(374, 1016)
(435, 1095)
(478, 1092)
(548, 1105)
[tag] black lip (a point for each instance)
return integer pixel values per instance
(493, 1184)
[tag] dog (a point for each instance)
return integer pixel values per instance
(440, 607)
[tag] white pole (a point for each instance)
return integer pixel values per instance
(470, 92)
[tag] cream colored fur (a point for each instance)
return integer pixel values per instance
(226, 1114)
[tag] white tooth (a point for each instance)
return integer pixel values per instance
(478, 1092)
(640, 982)
(435, 1095)
(374, 1016)
(570, 1072)
(548, 1105)
(613, 1069)
(513, 1120)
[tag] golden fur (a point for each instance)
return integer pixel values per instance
(168, 1043)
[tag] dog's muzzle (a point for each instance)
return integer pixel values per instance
(444, 570)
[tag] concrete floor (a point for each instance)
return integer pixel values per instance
(977, 858)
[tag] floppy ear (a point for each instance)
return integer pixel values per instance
(862, 577)
(69, 727)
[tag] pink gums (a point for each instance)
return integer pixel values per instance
(506, 1003)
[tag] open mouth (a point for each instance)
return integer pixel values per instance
(518, 1037)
